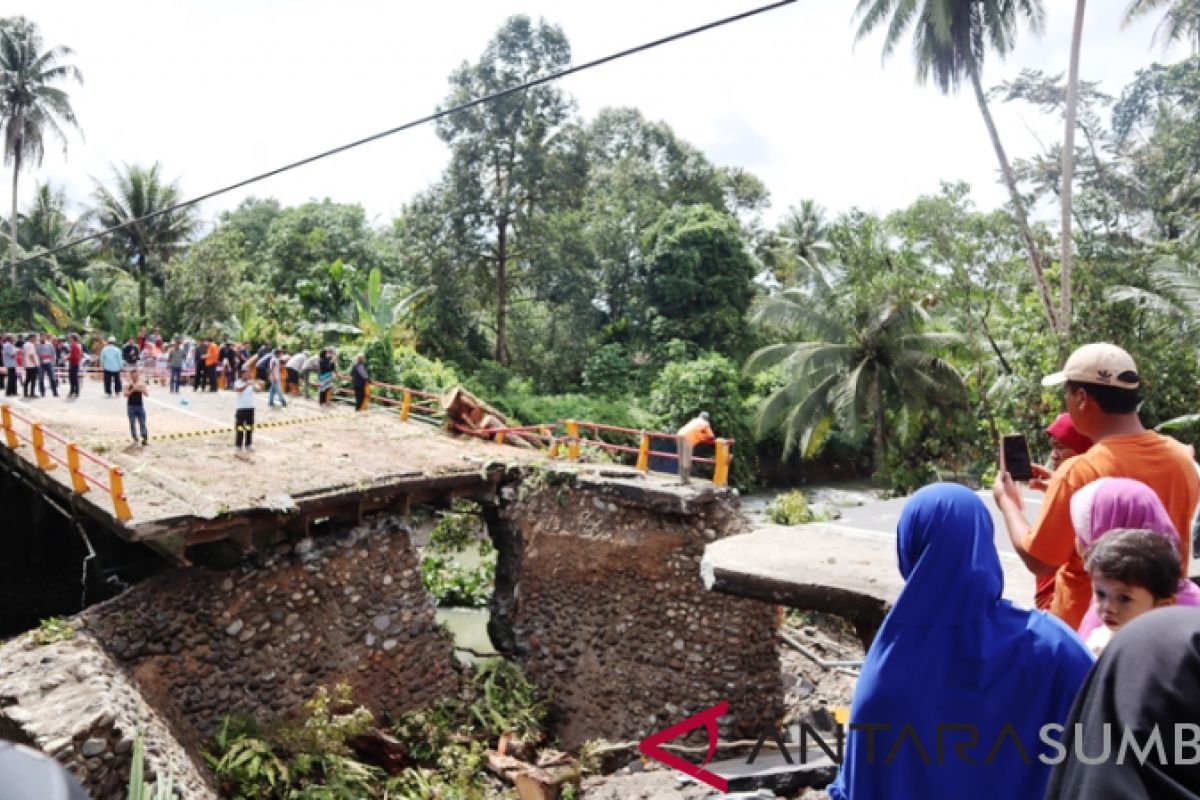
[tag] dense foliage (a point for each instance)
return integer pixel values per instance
(604, 269)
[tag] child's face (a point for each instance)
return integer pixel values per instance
(1118, 602)
(1060, 451)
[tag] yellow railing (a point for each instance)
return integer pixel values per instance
(72, 458)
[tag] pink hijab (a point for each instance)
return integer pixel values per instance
(1110, 503)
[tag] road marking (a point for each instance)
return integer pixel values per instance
(170, 407)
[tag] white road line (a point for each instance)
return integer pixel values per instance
(223, 424)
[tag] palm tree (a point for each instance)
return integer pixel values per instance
(1180, 23)
(145, 245)
(803, 231)
(30, 103)
(951, 39)
(1068, 168)
(853, 374)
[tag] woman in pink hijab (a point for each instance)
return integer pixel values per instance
(1109, 503)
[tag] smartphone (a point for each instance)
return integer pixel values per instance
(1016, 457)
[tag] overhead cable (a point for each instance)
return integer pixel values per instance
(641, 48)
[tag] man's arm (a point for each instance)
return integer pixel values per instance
(1008, 500)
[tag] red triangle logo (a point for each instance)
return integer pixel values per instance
(651, 745)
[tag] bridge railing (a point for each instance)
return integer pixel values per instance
(577, 436)
(568, 435)
(52, 450)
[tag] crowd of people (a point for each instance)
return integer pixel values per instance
(965, 694)
(31, 363)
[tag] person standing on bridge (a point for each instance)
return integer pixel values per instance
(360, 379)
(698, 431)
(243, 416)
(135, 406)
(74, 359)
(294, 365)
(8, 358)
(275, 376)
(110, 362)
(47, 365)
(325, 373)
(29, 358)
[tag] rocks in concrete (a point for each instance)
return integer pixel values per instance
(75, 703)
(614, 618)
(261, 638)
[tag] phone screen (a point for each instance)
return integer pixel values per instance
(1016, 457)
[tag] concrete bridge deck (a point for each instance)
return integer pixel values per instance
(190, 485)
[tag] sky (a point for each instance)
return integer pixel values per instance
(219, 90)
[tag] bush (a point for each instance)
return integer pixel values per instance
(452, 584)
(709, 383)
(427, 374)
(379, 361)
(608, 371)
(790, 508)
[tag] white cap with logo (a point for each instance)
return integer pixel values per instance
(1098, 363)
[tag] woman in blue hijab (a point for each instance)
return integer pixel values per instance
(959, 683)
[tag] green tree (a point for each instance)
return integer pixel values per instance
(699, 278)
(500, 154)
(144, 246)
(78, 308)
(301, 241)
(31, 104)
(800, 249)
(709, 382)
(381, 320)
(1180, 23)
(855, 373)
(206, 285)
(951, 41)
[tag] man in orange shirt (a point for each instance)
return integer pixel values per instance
(211, 357)
(698, 431)
(1102, 398)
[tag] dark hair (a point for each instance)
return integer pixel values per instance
(1111, 399)
(1137, 557)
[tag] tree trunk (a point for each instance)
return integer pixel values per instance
(141, 260)
(502, 291)
(1068, 169)
(12, 252)
(1035, 254)
(880, 436)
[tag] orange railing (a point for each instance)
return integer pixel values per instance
(554, 436)
(52, 450)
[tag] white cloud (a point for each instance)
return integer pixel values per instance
(220, 90)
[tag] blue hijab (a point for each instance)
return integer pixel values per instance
(952, 652)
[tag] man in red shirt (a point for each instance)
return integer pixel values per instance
(74, 359)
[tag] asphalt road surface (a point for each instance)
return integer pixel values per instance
(880, 517)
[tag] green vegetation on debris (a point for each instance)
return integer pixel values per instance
(53, 629)
(441, 748)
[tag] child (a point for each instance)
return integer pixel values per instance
(243, 421)
(136, 409)
(1133, 571)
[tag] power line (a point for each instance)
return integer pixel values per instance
(641, 48)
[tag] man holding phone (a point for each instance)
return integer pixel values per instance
(1102, 396)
